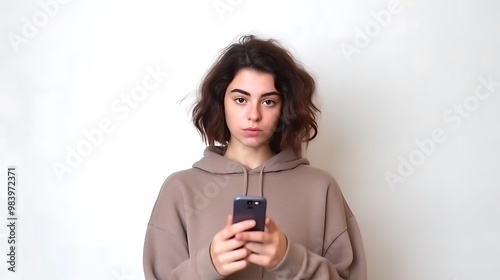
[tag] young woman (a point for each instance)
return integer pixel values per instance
(255, 111)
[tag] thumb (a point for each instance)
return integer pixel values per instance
(271, 225)
(229, 220)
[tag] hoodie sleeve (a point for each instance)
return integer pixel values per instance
(343, 255)
(166, 254)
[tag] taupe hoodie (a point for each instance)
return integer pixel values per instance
(324, 240)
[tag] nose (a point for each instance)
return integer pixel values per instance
(254, 113)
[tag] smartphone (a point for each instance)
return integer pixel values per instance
(250, 208)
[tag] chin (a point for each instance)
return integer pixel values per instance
(252, 144)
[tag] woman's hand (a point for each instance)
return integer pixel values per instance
(229, 254)
(267, 249)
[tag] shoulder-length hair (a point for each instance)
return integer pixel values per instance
(297, 124)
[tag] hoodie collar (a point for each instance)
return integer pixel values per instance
(214, 162)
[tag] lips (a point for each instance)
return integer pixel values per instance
(252, 131)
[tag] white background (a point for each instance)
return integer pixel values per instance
(63, 68)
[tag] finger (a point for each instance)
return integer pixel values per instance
(253, 236)
(230, 231)
(257, 248)
(271, 225)
(229, 220)
(220, 235)
(234, 256)
(224, 246)
(264, 255)
(232, 267)
(259, 259)
(232, 244)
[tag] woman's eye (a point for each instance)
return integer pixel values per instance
(269, 102)
(239, 100)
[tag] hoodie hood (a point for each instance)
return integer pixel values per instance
(214, 162)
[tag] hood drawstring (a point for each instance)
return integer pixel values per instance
(245, 179)
(261, 185)
(261, 177)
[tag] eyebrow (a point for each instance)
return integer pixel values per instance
(248, 94)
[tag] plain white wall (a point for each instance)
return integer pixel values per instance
(410, 124)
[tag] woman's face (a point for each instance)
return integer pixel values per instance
(252, 108)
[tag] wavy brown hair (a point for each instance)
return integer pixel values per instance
(296, 86)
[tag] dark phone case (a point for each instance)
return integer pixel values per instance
(243, 211)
